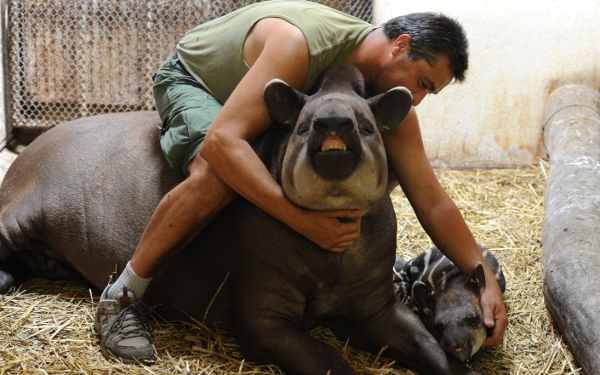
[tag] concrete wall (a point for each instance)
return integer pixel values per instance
(521, 50)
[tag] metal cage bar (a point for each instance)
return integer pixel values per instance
(5, 104)
(77, 58)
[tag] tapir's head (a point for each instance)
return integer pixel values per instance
(453, 315)
(335, 158)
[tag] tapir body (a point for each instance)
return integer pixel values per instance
(77, 200)
(448, 300)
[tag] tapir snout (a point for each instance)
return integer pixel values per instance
(334, 145)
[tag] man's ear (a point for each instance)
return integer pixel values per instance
(401, 44)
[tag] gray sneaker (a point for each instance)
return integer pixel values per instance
(122, 332)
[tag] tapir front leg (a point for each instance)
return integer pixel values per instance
(270, 304)
(279, 341)
(408, 342)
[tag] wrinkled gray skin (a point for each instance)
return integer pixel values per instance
(447, 300)
(76, 201)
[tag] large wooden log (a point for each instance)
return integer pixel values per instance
(571, 233)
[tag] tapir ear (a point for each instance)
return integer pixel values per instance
(477, 278)
(391, 107)
(283, 102)
(424, 296)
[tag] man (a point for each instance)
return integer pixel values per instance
(209, 94)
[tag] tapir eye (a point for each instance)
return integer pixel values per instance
(303, 128)
(365, 127)
(439, 328)
(473, 321)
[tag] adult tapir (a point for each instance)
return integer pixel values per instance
(76, 201)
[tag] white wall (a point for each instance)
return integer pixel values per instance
(521, 50)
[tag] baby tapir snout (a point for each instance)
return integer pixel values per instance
(448, 301)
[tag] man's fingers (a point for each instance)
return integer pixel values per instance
(488, 317)
(496, 332)
(333, 230)
(494, 315)
(351, 215)
(495, 338)
(351, 229)
(342, 242)
(497, 322)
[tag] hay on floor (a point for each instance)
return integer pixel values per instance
(47, 327)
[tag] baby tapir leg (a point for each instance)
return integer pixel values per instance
(409, 343)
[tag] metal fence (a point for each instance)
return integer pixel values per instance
(76, 58)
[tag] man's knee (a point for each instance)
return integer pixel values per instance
(203, 176)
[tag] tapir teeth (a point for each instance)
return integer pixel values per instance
(333, 147)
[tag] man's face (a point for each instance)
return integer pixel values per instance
(416, 75)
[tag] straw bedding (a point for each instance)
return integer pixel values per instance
(46, 327)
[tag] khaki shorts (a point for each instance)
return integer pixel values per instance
(186, 109)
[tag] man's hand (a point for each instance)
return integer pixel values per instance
(331, 230)
(494, 314)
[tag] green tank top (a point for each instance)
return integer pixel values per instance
(213, 52)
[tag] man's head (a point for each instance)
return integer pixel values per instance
(432, 37)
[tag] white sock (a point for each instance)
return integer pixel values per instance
(132, 281)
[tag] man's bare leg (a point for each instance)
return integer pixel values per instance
(179, 217)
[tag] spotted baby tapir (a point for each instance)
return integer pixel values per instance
(446, 299)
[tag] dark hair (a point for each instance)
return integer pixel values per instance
(433, 36)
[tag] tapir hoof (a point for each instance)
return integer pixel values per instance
(8, 279)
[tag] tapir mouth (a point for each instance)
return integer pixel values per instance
(462, 353)
(334, 159)
(333, 143)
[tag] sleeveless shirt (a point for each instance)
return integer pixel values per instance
(213, 52)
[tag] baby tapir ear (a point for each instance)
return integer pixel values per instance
(391, 107)
(283, 102)
(424, 296)
(477, 278)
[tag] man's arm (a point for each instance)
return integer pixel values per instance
(439, 216)
(274, 49)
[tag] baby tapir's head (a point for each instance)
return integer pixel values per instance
(452, 312)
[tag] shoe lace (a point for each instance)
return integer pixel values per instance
(133, 316)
